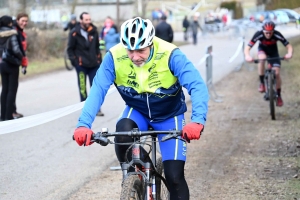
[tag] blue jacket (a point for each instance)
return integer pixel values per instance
(111, 38)
(181, 67)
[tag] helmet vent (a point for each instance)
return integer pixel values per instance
(132, 41)
(124, 43)
(126, 33)
(142, 42)
(141, 33)
(133, 30)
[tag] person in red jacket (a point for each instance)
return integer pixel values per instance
(20, 23)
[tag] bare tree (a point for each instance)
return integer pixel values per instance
(23, 5)
(142, 7)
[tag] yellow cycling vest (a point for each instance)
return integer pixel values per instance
(149, 78)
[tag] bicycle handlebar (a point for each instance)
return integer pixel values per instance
(102, 137)
(274, 58)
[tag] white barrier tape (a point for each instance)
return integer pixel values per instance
(202, 59)
(38, 119)
(237, 52)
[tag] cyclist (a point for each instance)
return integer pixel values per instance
(149, 74)
(267, 48)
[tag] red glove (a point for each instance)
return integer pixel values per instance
(83, 135)
(192, 131)
(24, 61)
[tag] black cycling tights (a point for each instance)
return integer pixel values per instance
(174, 172)
(174, 169)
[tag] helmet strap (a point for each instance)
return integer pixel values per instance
(151, 53)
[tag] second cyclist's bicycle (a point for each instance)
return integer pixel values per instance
(147, 182)
(270, 83)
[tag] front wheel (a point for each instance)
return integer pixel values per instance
(68, 64)
(161, 188)
(271, 95)
(132, 188)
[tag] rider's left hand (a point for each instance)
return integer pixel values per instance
(248, 58)
(192, 131)
(288, 56)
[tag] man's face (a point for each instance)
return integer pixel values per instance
(268, 34)
(140, 56)
(85, 21)
(22, 22)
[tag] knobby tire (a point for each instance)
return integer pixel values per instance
(132, 188)
(162, 192)
(271, 95)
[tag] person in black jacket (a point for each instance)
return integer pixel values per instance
(185, 26)
(163, 30)
(11, 54)
(84, 53)
(72, 23)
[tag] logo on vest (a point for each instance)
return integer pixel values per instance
(153, 76)
(152, 67)
(132, 75)
(132, 83)
(159, 56)
(124, 57)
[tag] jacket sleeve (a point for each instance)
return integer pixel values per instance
(71, 48)
(24, 62)
(190, 78)
(171, 34)
(15, 47)
(99, 56)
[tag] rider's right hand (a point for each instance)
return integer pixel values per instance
(83, 135)
(248, 58)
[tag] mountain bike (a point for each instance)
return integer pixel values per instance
(270, 83)
(147, 182)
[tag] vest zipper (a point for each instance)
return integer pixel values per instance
(148, 105)
(142, 90)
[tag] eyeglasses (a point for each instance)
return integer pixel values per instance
(268, 32)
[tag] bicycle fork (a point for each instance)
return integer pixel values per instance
(145, 175)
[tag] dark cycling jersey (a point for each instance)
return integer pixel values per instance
(269, 46)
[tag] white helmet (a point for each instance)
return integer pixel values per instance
(137, 33)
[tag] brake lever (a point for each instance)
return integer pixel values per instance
(170, 136)
(98, 138)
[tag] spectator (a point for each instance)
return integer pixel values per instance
(84, 53)
(12, 55)
(20, 24)
(194, 28)
(72, 23)
(164, 30)
(111, 39)
(185, 25)
(109, 23)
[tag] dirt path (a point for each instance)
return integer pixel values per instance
(242, 154)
